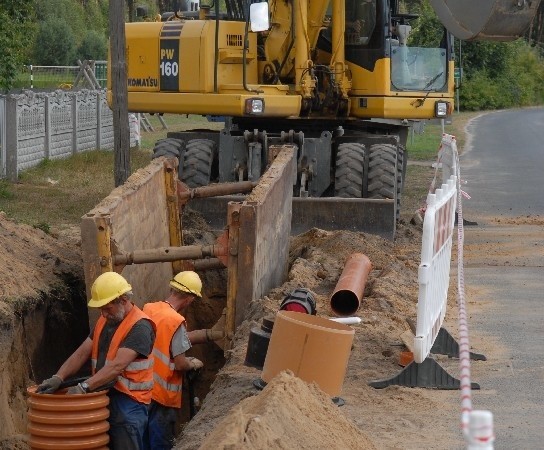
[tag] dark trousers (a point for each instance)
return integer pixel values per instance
(161, 427)
(128, 421)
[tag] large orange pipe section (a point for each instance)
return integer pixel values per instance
(68, 422)
(348, 293)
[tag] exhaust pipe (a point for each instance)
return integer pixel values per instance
(348, 293)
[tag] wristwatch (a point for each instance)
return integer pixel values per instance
(84, 386)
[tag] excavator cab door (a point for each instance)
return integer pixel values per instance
(495, 20)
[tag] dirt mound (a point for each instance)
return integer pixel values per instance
(33, 260)
(42, 300)
(316, 261)
(287, 414)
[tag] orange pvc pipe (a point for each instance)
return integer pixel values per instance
(348, 293)
(315, 349)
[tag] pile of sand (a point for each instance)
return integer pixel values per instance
(287, 414)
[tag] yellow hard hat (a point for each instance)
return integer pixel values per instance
(107, 287)
(187, 281)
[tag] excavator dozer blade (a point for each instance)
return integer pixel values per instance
(491, 20)
(327, 213)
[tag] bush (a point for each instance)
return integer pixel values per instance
(479, 92)
(94, 46)
(519, 82)
(55, 44)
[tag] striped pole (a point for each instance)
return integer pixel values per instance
(31, 77)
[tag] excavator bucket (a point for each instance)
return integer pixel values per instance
(491, 20)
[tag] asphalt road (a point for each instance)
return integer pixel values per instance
(503, 166)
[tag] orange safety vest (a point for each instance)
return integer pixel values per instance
(136, 380)
(168, 380)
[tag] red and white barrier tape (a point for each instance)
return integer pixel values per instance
(477, 426)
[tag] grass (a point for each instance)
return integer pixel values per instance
(59, 192)
(56, 193)
(424, 146)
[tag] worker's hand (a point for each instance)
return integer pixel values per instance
(195, 363)
(214, 335)
(50, 385)
(76, 390)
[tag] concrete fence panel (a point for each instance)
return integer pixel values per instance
(37, 126)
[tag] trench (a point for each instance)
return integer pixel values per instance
(38, 334)
(204, 314)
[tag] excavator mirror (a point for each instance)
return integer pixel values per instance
(494, 20)
(258, 16)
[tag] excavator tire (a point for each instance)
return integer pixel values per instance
(197, 164)
(171, 148)
(383, 173)
(350, 163)
(402, 163)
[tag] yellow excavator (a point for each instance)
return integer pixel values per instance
(340, 79)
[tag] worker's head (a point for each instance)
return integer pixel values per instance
(111, 292)
(187, 286)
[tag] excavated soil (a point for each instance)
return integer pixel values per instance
(43, 317)
(41, 285)
(235, 415)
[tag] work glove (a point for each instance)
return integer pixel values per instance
(50, 385)
(195, 363)
(76, 390)
(214, 335)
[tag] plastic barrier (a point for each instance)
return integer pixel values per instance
(424, 371)
(434, 270)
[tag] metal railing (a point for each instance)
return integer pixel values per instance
(59, 77)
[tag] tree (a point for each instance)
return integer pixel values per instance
(55, 44)
(16, 20)
(427, 30)
(94, 46)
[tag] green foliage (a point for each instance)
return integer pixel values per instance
(517, 80)
(94, 46)
(16, 29)
(484, 55)
(5, 192)
(44, 226)
(480, 92)
(72, 13)
(427, 29)
(55, 44)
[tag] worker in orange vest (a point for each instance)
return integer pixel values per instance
(172, 341)
(119, 347)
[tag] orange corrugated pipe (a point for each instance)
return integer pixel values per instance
(65, 422)
(348, 293)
